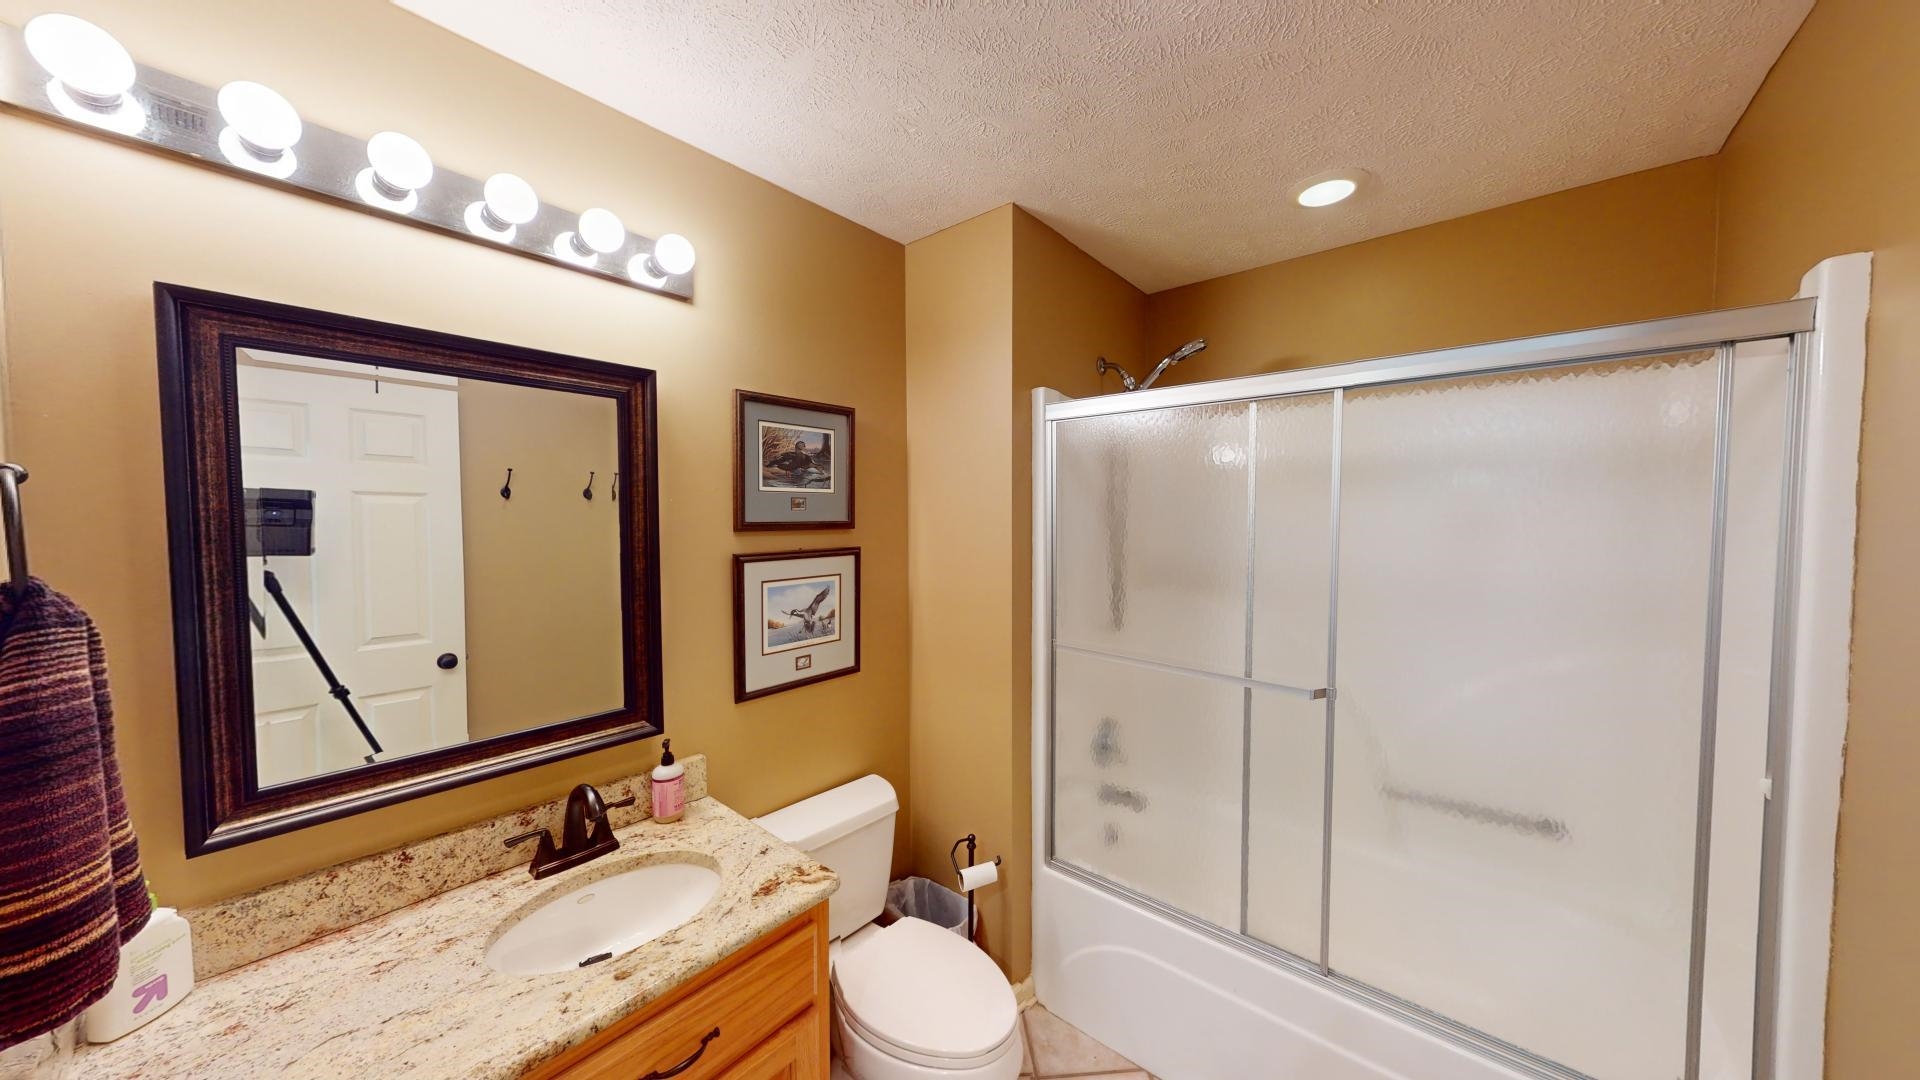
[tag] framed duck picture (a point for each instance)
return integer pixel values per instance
(792, 463)
(796, 619)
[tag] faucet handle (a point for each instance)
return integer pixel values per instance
(603, 825)
(545, 837)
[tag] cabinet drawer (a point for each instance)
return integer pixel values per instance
(795, 1052)
(746, 1003)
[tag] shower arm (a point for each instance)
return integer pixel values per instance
(1104, 365)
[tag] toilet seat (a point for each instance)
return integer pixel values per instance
(924, 994)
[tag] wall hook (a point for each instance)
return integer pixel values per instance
(587, 492)
(506, 489)
(614, 494)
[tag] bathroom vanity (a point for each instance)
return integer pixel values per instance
(761, 1014)
(412, 992)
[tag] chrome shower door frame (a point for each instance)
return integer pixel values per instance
(1718, 332)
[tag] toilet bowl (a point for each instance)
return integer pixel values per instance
(914, 1000)
(911, 1001)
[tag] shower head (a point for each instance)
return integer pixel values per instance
(1184, 351)
(1128, 382)
(1173, 358)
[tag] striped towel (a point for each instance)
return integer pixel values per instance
(70, 884)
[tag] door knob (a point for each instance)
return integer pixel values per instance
(448, 661)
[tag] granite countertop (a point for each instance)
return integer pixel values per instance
(409, 994)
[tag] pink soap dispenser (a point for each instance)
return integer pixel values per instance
(669, 791)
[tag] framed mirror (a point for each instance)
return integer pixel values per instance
(401, 560)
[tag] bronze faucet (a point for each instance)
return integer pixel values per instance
(585, 834)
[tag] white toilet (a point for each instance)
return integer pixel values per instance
(911, 1001)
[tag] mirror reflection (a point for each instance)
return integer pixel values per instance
(405, 595)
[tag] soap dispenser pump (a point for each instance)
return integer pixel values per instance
(669, 792)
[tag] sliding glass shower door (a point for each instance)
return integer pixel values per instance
(1408, 683)
(1523, 600)
(1151, 653)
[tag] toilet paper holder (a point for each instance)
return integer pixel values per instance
(960, 876)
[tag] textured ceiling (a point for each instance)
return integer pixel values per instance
(1164, 138)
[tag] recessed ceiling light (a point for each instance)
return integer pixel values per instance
(1327, 192)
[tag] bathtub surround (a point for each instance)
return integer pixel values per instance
(1082, 978)
(234, 932)
(410, 993)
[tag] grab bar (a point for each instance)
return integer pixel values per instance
(1539, 824)
(11, 477)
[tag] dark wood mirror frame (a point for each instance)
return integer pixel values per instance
(198, 334)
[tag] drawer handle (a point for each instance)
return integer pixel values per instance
(687, 1064)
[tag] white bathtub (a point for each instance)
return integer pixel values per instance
(1108, 967)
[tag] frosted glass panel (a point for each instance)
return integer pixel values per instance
(1150, 526)
(1293, 497)
(1523, 586)
(1286, 766)
(1147, 775)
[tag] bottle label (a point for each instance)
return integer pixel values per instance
(667, 800)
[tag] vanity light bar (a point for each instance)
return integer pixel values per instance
(73, 71)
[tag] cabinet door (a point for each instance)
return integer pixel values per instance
(795, 1052)
(724, 1021)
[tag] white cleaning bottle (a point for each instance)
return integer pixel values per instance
(156, 972)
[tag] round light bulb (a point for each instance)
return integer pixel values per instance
(507, 202)
(89, 64)
(601, 231)
(1327, 192)
(400, 164)
(672, 256)
(510, 199)
(265, 122)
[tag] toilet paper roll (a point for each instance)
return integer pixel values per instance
(973, 877)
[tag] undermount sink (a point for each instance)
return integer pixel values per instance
(601, 918)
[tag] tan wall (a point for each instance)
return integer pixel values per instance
(959, 365)
(542, 568)
(1068, 310)
(793, 300)
(1636, 247)
(996, 306)
(1826, 161)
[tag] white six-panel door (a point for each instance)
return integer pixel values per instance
(384, 593)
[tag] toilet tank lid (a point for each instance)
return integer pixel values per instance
(812, 823)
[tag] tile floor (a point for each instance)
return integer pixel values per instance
(1057, 1049)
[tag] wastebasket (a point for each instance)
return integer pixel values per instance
(928, 900)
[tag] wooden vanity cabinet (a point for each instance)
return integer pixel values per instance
(760, 1014)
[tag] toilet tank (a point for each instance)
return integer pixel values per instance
(850, 829)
